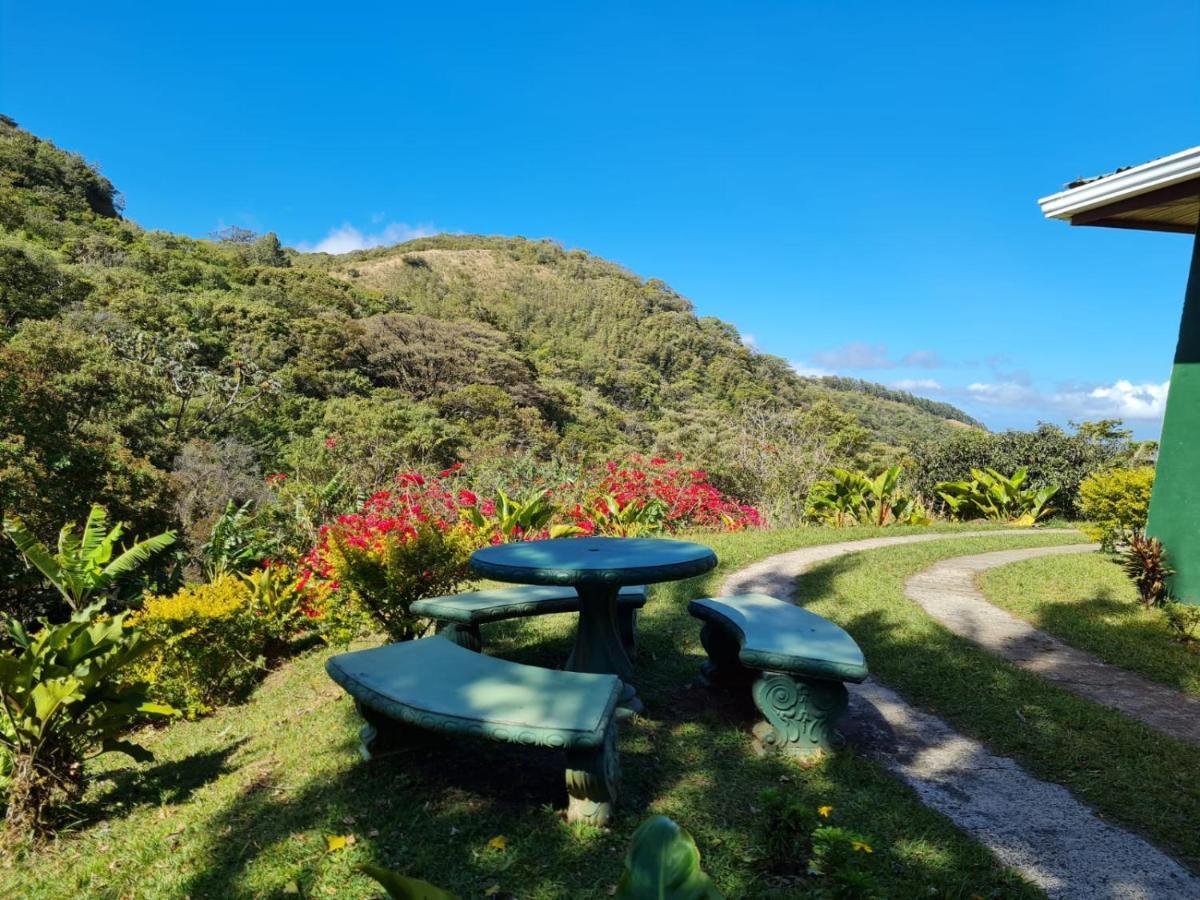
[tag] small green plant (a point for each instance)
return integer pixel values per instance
(1117, 501)
(787, 824)
(838, 857)
(1183, 619)
(997, 497)
(633, 519)
(1145, 561)
(65, 692)
(84, 565)
(662, 863)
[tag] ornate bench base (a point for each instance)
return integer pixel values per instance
(592, 779)
(801, 714)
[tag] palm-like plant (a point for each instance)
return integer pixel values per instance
(1000, 498)
(84, 564)
(852, 498)
(631, 520)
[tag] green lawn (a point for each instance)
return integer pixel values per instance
(1128, 772)
(1090, 603)
(240, 804)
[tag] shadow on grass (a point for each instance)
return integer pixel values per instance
(165, 783)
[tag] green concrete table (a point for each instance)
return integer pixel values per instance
(597, 567)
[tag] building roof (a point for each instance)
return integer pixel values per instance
(1160, 195)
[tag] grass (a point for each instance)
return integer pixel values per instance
(1125, 770)
(240, 804)
(1090, 603)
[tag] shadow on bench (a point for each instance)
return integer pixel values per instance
(437, 685)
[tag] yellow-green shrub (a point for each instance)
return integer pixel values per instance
(1117, 501)
(211, 644)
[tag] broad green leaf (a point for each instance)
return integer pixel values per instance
(663, 864)
(402, 887)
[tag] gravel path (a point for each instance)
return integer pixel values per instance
(1036, 827)
(947, 591)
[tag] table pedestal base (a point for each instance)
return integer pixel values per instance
(598, 643)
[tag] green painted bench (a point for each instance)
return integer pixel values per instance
(795, 662)
(459, 616)
(437, 685)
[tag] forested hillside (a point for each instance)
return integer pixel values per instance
(164, 375)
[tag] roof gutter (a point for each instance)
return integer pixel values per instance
(1151, 176)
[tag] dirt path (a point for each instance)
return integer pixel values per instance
(947, 592)
(1036, 827)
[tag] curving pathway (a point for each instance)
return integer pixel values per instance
(1036, 827)
(948, 593)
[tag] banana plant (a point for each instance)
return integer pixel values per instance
(997, 497)
(84, 565)
(236, 543)
(66, 692)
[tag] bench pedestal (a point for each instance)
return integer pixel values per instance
(801, 714)
(592, 778)
(467, 636)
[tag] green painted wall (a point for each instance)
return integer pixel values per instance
(1175, 504)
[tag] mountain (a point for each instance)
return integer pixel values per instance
(144, 368)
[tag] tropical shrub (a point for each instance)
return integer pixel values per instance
(999, 498)
(210, 644)
(404, 545)
(67, 691)
(238, 542)
(680, 498)
(1145, 561)
(1117, 501)
(847, 498)
(84, 564)
(1053, 457)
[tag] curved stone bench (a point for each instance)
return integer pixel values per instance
(437, 685)
(795, 662)
(459, 616)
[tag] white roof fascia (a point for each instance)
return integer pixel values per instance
(1151, 176)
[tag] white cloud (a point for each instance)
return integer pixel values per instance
(1121, 399)
(807, 371)
(347, 238)
(917, 384)
(749, 341)
(1004, 393)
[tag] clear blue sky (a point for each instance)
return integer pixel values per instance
(852, 185)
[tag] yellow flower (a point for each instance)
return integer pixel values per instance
(861, 847)
(824, 811)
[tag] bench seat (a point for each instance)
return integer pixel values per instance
(460, 615)
(437, 685)
(795, 662)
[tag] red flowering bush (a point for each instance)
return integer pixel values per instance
(415, 541)
(404, 545)
(640, 495)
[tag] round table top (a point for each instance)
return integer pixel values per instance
(594, 560)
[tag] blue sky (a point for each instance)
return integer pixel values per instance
(853, 185)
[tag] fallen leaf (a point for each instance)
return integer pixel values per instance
(335, 842)
(499, 842)
(492, 891)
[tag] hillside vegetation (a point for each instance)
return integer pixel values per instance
(162, 375)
